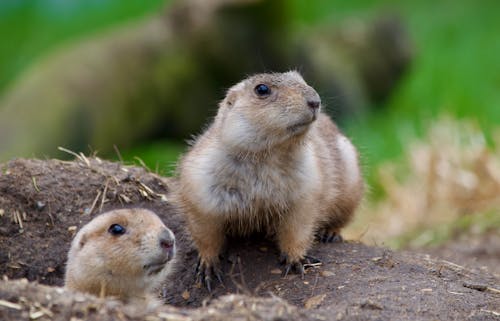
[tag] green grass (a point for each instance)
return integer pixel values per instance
(29, 29)
(159, 156)
(456, 69)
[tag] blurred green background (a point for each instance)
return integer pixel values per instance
(454, 70)
(30, 29)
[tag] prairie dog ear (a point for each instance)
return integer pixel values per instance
(82, 240)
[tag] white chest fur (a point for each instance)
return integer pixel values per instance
(242, 186)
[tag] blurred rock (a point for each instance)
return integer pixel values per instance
(357, 65)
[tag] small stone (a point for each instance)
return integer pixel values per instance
(40, 205)
(275, 271)
(326, 273)
(80, 298)
(314, 302)
(369, 304)
(186, 295)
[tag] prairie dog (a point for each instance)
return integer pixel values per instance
(271, 161)
(123, 253)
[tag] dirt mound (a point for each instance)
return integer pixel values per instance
(48, 303)
(479, 251)
(43, 203)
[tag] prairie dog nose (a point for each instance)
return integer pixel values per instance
(312, 98)
(167, 240)
(313, 103)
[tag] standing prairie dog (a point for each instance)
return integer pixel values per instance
(124, 253)
(271, 161)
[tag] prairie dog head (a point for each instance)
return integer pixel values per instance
(265, 110)
(124, 253)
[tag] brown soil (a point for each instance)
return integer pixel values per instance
(42, 202)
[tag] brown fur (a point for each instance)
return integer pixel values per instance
(269, 164)
(101, 263)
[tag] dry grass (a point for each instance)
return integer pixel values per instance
(450, 174)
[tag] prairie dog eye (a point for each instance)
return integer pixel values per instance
(262, 90)
(117, 229)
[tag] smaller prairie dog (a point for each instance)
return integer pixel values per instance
(271, 161)
(124, 253)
